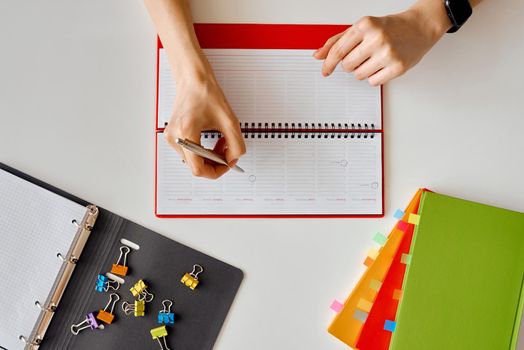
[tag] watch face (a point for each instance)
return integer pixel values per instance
(458, 11)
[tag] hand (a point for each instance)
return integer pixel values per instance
(201, 105)
(382, 48)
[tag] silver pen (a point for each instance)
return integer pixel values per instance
(206, 153)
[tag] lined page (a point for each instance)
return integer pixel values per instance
(283, 176)
(35, 225)
(281, 86)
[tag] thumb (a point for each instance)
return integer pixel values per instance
(235, 146)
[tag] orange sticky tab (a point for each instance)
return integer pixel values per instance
(119, 270)
(368, 262)
(373, 253)
(414, 219)
(105, 317)
(397, 294)
(364, 305)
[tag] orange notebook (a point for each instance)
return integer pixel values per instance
(353, 314)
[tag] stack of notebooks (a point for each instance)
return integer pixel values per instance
(450, 275)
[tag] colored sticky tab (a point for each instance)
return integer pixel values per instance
(398, 214)
(405, 259)
(414, 219)
(336, 306)
(368, 262)
(397, 294)
(360, 315)
(375, 285)
(402, 226)
(373, 253)
(364, 305)
(390, 326)
(379, 238)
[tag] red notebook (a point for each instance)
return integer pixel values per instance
(314, 144)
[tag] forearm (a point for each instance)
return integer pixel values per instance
(174, 25)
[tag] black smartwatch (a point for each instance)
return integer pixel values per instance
(458, 12)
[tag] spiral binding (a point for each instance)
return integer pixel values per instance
(302, 130)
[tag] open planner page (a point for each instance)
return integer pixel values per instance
(35, 226)
(330, 176)
(282, 86)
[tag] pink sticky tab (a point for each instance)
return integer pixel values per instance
(336, 306)
(402, 226)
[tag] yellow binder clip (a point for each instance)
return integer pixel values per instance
(138, 308)
(139, 291)
(160, 332)
(191, 279)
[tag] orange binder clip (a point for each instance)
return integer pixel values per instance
(107, 316)
(118, 269)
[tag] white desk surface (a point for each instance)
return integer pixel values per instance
(77, 102)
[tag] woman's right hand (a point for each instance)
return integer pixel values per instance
(200, 105)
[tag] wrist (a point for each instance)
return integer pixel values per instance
(431, 16)
(193, 66)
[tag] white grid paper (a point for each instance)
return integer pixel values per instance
(35, 225)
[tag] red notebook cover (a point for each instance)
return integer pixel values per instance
(374, 336)
(264, 36)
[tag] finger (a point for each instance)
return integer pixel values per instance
(235, 146)
(368, 68)
(199, 166)
(321, 53)
(356, 57)
(383, 76)
(341, 49)
(220, 146)
(168, 135)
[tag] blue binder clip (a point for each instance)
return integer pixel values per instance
(103, 284)
(165, 316)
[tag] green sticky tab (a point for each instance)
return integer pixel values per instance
(375, 285)
(360, 315)
(406, 259)
(380, 238)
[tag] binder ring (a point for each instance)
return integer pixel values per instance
(60, 256)
(36, 341)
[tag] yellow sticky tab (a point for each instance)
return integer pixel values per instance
(373, 253)
(414, 219)
(364, 305)
(375, 285)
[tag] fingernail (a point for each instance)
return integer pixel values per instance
(326, 74)
(233, 163)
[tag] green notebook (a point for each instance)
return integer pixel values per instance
(464, 286)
